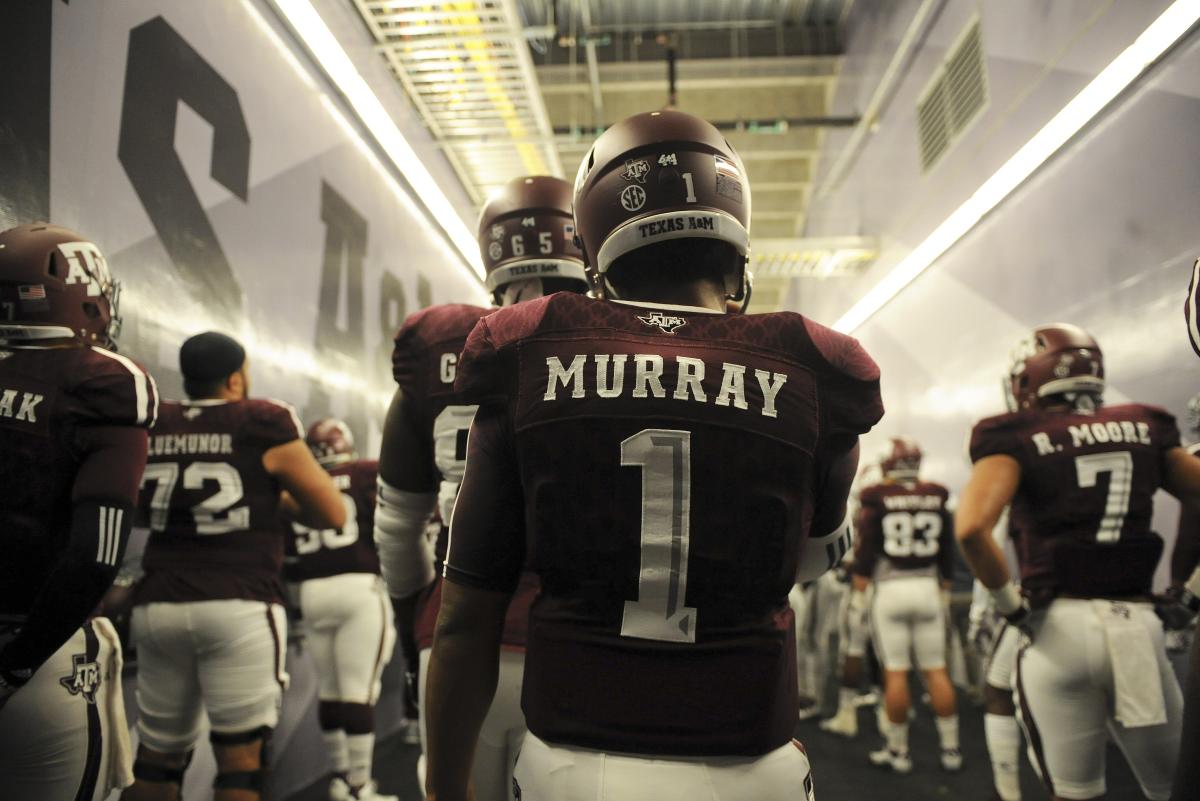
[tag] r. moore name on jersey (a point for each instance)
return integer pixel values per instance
(610, 380)
(1098, 433)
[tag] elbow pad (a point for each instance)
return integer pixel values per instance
(821, 554)
(406, 555)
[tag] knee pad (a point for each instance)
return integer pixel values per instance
(160, 774)
(253, 780)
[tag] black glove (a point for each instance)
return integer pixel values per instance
(1176, 608)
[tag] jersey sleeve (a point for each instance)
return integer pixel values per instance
(850, 396)
(273, 423)
(1167, 428)
(482, 368)
(115, 390)
(994, 436)
(409, 353)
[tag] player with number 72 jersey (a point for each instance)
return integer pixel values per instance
(1087, 479)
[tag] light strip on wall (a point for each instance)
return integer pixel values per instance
(320, 41)
(1163, 33)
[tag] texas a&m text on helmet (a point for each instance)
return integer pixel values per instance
(659, 176)
(55, 285)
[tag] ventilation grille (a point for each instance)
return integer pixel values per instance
(954, 98)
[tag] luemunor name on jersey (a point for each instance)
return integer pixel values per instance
(187, 444)
(25, 410)
(610, 380)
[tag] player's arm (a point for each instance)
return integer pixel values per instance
(404, 503)
(311, 496)
(483, 566)
(946, 551)
(992, 485)
(103, 498)
(831, 534)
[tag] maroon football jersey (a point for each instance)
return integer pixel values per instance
(316, 553)
(1080, 520)
(1186, 555)
(210, 504)
(666, 465)
(424, 364)
(903, 529)
(49, 398)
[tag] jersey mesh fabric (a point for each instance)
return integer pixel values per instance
(1081, 515)
(314, 553)
(904, 529)
(211, 506)
(49, 400)
(744, 475)
(424, 365)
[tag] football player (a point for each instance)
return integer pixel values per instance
(334, 578)
(854, 630)
(73, 420)
(997, 642)
(905, 548)
(526, 239)
(1185, 591)
(207, 619)
(1080, 477)
(670, 471)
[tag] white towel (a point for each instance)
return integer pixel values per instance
(1136, 680)
(120, 751)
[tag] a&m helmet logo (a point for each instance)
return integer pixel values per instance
(635, 170)
(668, 323)
(85, 265)
(84, 679)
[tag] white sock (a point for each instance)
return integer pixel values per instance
(897, 737)
(947, 729)
(335, 742)
(1004, 746)
(360, 747)
(846, 698)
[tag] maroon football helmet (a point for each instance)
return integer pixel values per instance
(900, 459)
(526, 231)
(1059, 359)
(330, 441)
(659, 176)
(55, 284)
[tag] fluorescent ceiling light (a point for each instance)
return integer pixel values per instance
(320, 41)
(1164, 32)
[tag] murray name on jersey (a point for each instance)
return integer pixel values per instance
(608, 374)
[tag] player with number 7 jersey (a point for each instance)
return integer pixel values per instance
(1080, 477)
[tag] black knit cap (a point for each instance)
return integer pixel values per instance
(209, 356)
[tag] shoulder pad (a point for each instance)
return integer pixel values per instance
(116, 390)
(440, 323)
(995, 435)
(274, 421)
(512, 323)
(843, 353)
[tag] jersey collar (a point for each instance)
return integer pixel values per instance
(645, 304)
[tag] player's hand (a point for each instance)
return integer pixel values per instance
(1176, 609)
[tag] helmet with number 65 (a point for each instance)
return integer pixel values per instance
(330, 441)
(55, 285)
(1056, 362)
(526, 232)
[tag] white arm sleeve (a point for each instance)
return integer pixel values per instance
(405, 553)
(821, 554)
